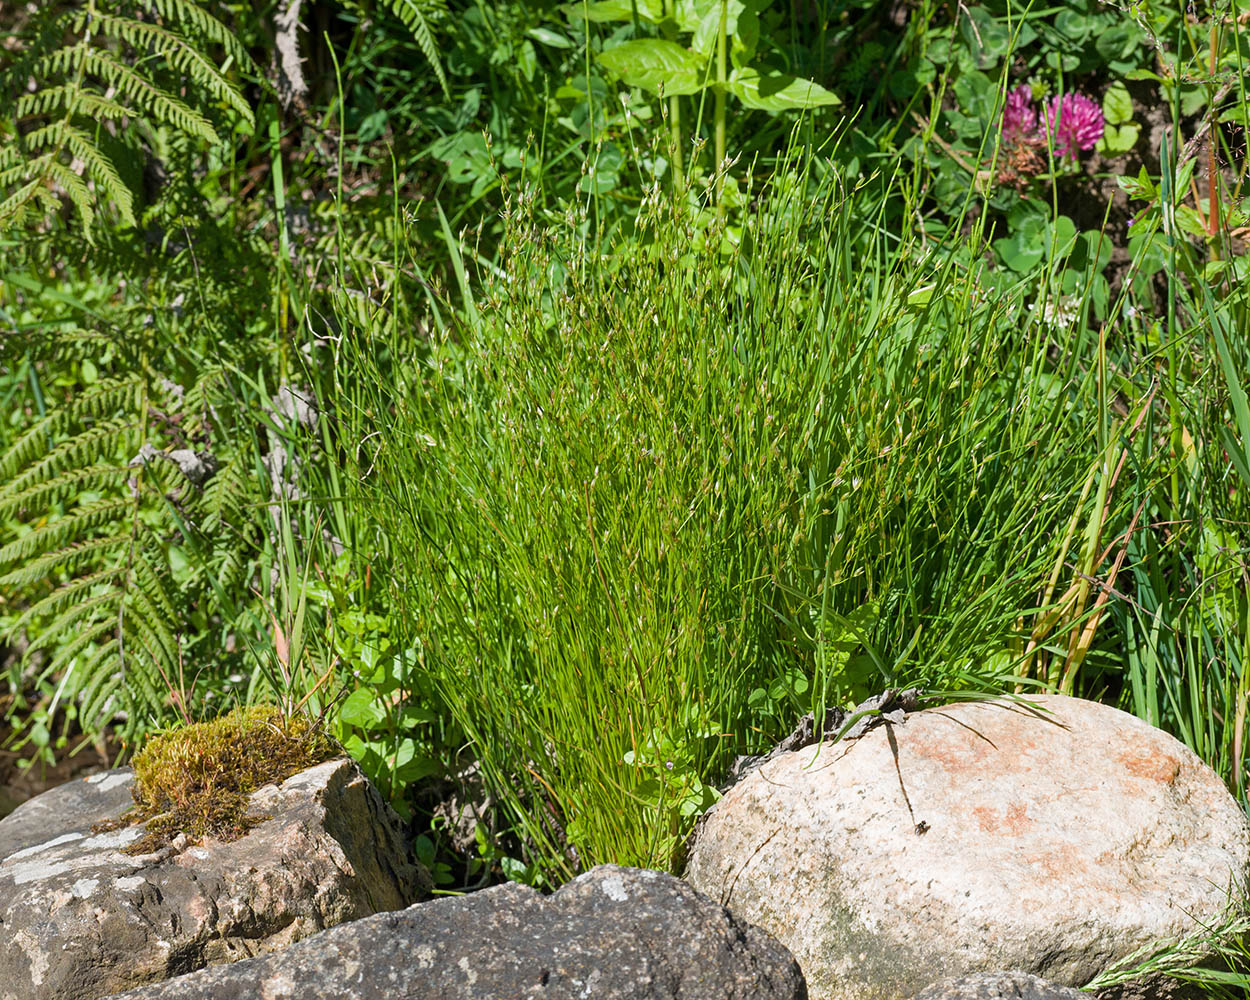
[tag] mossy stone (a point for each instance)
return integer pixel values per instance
(197, 779)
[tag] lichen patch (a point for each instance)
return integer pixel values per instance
(26, 852)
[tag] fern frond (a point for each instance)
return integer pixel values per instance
(56, 490)
(154, 587)
(54, 605)
(101, 170)
(64, 560)
(88, 608)
(66, 654)
(129, 83)
(96, 64)
(59, 99)
(104, 438)
(97, 687)
(15, 204)
(413, 14)
(177, 52)
(57, 533)
(190, 13)
(141, 683)
(28, 445)
(141, 618)
(226, 495)
(109, 396)
(115, 607)
(74, 189)
(233, 566)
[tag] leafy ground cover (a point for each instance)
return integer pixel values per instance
(554, 402)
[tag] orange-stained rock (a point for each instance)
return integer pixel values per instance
(975, 837)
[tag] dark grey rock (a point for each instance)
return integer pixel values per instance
(1013, 985)
(67, 809)
(79, 919)
(614, 933)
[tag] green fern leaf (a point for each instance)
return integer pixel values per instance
(54, 605)
(66, 654)
(413, 13)
(63, 560)
(57, 489)
(88, 608)
(179, 53)
(84, 519)
(104, 438)
(111, 69)
(97, 688)
(188, 12)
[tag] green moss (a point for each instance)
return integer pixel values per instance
(197, 779)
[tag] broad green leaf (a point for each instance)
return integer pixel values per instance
(1065, 61)
(708, 29)
(360, 710)
(746, 39)
(549, 37)
(613, 10)
(1148, 252)
(655, 63)
(1118, 139)
(689, 14)
(1117, 105)
(1191, 223)
(1092, 251)
(1062, 237)
(1074, 25)
(772, 91)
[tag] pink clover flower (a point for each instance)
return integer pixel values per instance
(1075, 122)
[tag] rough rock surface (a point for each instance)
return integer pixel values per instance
(998, 986)
(1018, 985)
(79, 919)
(1053, 839)
(614, 933)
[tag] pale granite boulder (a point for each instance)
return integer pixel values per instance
(1010, 985)
(611, 934)
(1054, 838)
(79, 919)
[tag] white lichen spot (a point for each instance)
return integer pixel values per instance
(114, 838)
(107, 781)
(278, 987)
(614, 888)
(198, 853)
(131, 883)
(425, 956)
(470, 975)
(591, 985)
(84, 887)
(26, 852)
(33, 871)
(35, 954)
